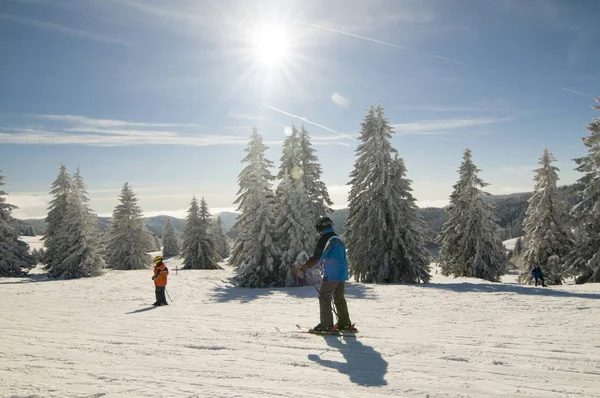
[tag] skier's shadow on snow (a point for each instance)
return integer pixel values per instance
(363, 365)
(506, 288)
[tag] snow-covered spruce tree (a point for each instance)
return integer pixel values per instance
(311, 177)
(293, 227)
(254, 253)
(55, 236)
(82, 257)
(219, 237)
(470, 243)
(584, 261)
(546, 232)
(411, 253)
(291, 161)
(294, 212)
(128, 240)
(198, 249)
(170, 244)
(15, 259)
(383, 236)
(518, 249)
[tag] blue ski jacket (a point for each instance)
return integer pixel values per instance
(331, 253)
(536, 272)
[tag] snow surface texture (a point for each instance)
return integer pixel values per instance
(98, 337)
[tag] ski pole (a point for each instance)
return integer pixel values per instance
(168, 294)
(328, 302)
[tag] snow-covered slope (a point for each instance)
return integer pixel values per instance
(99, 337)
(510, 243)
(34, 242)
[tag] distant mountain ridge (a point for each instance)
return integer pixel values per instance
(509, 209)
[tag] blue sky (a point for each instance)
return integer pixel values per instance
(163, 95)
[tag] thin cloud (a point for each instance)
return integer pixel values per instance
(132, 138)
(437, 127)
(107, 123)
(125, 132)
(568, 90)
(64, 30)
(305, 120)
(340, 100)
(454, 61)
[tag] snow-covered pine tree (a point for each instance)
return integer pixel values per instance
(15, 259)
(470, 243)
(311, 177)
(220, 239)
(412, 256)
(128, 239)
(291, 161)
(198, 249)
(82, 257)
(546, 232)
(254, 253)
(170, 244)
(584, 261)
(518, 249)
(55, 236)
(293, 227)
(382, 232)
(294, 211)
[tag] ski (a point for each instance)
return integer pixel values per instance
(352, 333)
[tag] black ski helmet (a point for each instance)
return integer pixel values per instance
(323, 223)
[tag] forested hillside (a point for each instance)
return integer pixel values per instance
(510, 211)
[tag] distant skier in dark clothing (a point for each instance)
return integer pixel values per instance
(330, 252)
(536, 271)
(160, 281)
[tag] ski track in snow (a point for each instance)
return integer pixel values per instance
(99, 337)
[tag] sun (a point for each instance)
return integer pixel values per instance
(270, 45)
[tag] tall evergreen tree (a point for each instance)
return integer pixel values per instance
(129, 241)
(254, 253)
(311, 177)
(198, 249)
(15, 259)
(295, 212)
(546, 233)
(170, 244)
(584, 261)
(55, 239)
(383, 236)
(412, 256)
(518, 250)
(291, 157)
(82, 257)
(294, 227)
(220, 239)
(470, 243)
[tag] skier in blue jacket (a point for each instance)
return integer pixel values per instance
(330, 253)
(536, 271)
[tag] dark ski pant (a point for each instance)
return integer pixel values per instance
(540, 278)
(159, 291)
(335, 288)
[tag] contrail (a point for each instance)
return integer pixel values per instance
(305, 120)
(454, 61)
(574, 92)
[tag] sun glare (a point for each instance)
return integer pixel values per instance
(270, 45)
